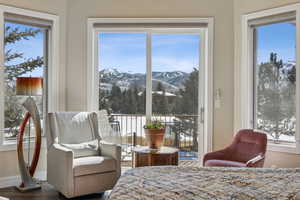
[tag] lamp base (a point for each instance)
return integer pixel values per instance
(33, 186)
(26, 170)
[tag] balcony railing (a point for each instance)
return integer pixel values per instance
(181, 132)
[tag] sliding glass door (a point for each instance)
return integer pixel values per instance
(147, 75)
(175, 89)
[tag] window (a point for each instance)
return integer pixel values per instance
(269, 77)
(30, 41)
(144, 69)
(24, 57)
(275, 81)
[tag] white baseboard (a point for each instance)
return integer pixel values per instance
(16, 180)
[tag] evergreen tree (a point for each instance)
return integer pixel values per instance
(189, 101)
(160, 100)
(133, 100)
(13, 35)
(187, 104)
(128, 102)
(275, 97)
(159, 87)
(115, 99)
(142, 102)
(103, 100)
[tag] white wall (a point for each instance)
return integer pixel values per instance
(8, 159)
(73, 17)
(222, 10)
(227, 47)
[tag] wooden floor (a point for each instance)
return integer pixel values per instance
(46, 193)
(190, 163)
(49, 193)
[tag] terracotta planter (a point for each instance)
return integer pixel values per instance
(155, 137)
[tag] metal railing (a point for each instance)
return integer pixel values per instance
(181, 132)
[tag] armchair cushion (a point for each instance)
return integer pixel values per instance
(74, 128)
(247, 144)
(84, 149)
(94, 165)
(224, 163)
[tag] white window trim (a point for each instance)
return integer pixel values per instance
(55, 98)
(244, 77)
(92, 61)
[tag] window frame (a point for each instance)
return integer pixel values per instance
(245, 76)
(54, 84)
(92, 62)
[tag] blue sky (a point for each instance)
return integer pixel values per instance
(30, 48)
(279, 38)
(127, 51)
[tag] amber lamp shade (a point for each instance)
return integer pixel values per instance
(29, 86)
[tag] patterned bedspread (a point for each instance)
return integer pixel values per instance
(195, 183)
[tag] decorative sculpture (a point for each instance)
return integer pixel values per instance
(29, 86)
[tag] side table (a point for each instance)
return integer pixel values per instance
(144, 156)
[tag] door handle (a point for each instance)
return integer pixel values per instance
(202, 115)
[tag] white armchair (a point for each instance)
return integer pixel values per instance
(78, 162)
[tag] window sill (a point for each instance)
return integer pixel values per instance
(12, 145)
(283, 148)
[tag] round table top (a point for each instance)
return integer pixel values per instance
(162, 150)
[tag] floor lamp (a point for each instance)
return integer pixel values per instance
(29, 86)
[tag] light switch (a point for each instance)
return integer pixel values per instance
(218, 101)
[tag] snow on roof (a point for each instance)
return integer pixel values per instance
(167, 94)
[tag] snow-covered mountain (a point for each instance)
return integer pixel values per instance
(171, 81)
(175, 78)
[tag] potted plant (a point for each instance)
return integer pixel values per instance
(155, 131)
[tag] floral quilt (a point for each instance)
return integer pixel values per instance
(196, 183)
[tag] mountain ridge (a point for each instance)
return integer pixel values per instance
(172, 80)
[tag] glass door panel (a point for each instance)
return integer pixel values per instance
(175, 89)
(122, 87)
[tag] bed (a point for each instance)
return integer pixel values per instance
(196, 183)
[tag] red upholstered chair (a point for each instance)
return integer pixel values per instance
(247, 150)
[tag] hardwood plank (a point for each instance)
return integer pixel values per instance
(49, 193)
(46, 193)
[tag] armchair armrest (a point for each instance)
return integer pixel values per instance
(64, 150)
(257, 161)
(60, 169)
(112, 150)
